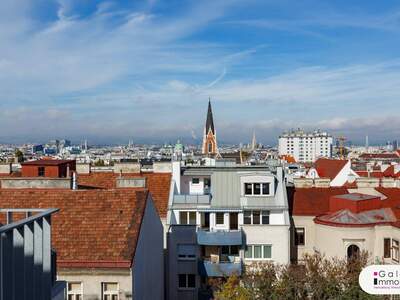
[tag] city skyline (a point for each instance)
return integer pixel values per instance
(111, 71)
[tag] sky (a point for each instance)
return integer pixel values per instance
(111, 71)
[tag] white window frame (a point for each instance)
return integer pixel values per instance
(395, 250)
(261, 215)
(74, 293)
(187, 214)
(261, 189)
(109, 293)
(187, 282)
(262, 252)
(223, 218)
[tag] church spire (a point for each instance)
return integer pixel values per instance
(210, 147)
(210, 120)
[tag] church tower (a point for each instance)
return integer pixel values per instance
(210, 147)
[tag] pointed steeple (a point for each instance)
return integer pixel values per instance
(210, 120)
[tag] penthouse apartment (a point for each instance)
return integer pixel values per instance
(221, 218)
(108, 234)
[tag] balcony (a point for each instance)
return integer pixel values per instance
(210, 268)
(219, 238)
(192, 199)
(26, 261)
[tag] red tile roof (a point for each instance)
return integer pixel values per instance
(314, 201)
(394, 155)
(288, 158)
(329, 168)
(94, 228)
(157, 183)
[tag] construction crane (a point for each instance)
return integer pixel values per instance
(341, 139)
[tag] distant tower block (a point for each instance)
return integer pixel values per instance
(210, 147)
(254, 141)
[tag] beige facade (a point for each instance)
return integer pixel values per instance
(333, 241)
(91, 281)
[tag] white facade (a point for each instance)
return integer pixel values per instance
(229, 216)
(334, 241)
(306, 147)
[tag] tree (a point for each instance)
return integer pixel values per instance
(317, 277)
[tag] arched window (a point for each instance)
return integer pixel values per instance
(353, 252)
(209, 147)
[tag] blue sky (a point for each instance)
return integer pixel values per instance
(143, 70)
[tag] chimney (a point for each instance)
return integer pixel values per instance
(74, 181)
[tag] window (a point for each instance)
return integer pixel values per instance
(265, 188)
(186, 252)
(219, 216)
(258, 252)
(209, 147)
(109, 291)
(248, 188)
(267, 251)
(74, 291)
(256, 217)
(230, 250)
(395, 250)
(249, 252)
(247, 217)
(41, 172)
(186, 281)
(187, 217)
(299, 237)
(257, 188)
(386, 248)
(265, 217)
(195, 180)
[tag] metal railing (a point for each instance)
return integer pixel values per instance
(192, 199)
(25, 255)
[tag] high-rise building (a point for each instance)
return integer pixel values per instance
(306, 146)
(210, 147)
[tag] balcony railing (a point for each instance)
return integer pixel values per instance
(219, 237)
(220, 269)
(25, 256)
(192, 199)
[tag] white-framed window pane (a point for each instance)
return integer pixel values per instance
(248, 189)
(219, 218)
(195, 180)
(183, 218)
(247, 217)
(265, 217)
(192, 218)
(256, 217)
(249, 252)
(257, 251)
(257, 189)
(265, 188)
(267, 251)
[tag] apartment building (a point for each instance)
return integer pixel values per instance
(108, 233)
(221, 218)
(305, 146)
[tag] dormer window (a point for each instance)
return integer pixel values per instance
(257, 189)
